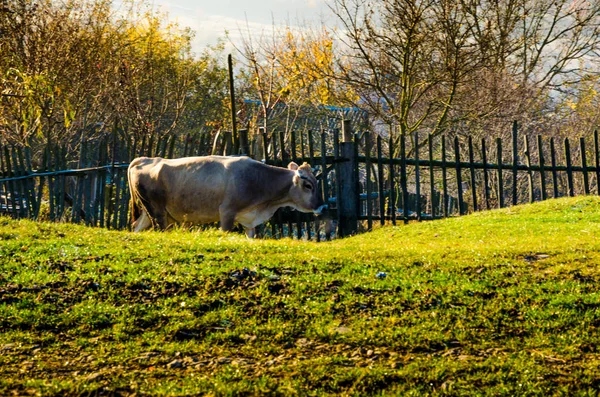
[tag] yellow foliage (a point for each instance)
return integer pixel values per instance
(305, 67)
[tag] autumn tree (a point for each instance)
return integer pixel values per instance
(290, 70)
(78, 68)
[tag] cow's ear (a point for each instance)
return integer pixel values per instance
(292, 166)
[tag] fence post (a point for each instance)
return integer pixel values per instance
(348, 181)
(515, 132)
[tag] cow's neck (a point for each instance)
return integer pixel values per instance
(279, 187)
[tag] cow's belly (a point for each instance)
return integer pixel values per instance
(194, 214)
(253, 218)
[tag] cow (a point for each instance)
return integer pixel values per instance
(208, 189)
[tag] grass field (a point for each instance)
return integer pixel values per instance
(505, 302)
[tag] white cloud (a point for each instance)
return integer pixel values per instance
(211, 20)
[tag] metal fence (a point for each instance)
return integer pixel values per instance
(366, 178)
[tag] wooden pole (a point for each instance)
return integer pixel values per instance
(232, 96)
(348, 181)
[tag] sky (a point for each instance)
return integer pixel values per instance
(211, 18)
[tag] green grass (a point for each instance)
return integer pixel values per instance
(504, 302)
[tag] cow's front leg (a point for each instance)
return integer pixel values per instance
(227, 218)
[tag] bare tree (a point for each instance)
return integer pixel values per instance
(435, 65)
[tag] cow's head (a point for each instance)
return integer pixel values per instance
(305, 190)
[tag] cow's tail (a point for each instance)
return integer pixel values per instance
(135, 210)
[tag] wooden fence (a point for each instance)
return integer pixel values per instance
(366, 178)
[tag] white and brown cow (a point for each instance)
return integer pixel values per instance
(207, 189)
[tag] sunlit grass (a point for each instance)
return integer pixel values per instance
(501, 302)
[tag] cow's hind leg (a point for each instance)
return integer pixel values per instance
(154, 206)
(160, 219)
(143, 222)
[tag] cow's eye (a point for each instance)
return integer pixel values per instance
(308, 186)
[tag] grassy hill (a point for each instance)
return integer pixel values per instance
(504, 302)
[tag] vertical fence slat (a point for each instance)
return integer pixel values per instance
(486, 179)
(7, 171)
(528, 164)
(325, 185)
(77, 200)
(32, 185)
(5, 188)
(150, 148)
(40, 191)
(571, 189)
(417, 177)
(597, 153)
(6, 185)
(392, 176)
(542, 167)
(53, 182)
(311, 153)
(499, 170)
(431, 177)
(134, 147)
(459, 189)
(515, 198)
(367, 137)
(380, 186)
(172, 146)
(265, 144)
(103, 176)
(472, 173)
(12, 185)
(25, 185)
(19, 183)
(584, 167)
(338, 195)
(117, 177)
(293, 144)
(186, 143)
(303, 144)
(444, 177)
(282, 148)
(123, 207)
(62, 195)
(403, 180)
(554, 171)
